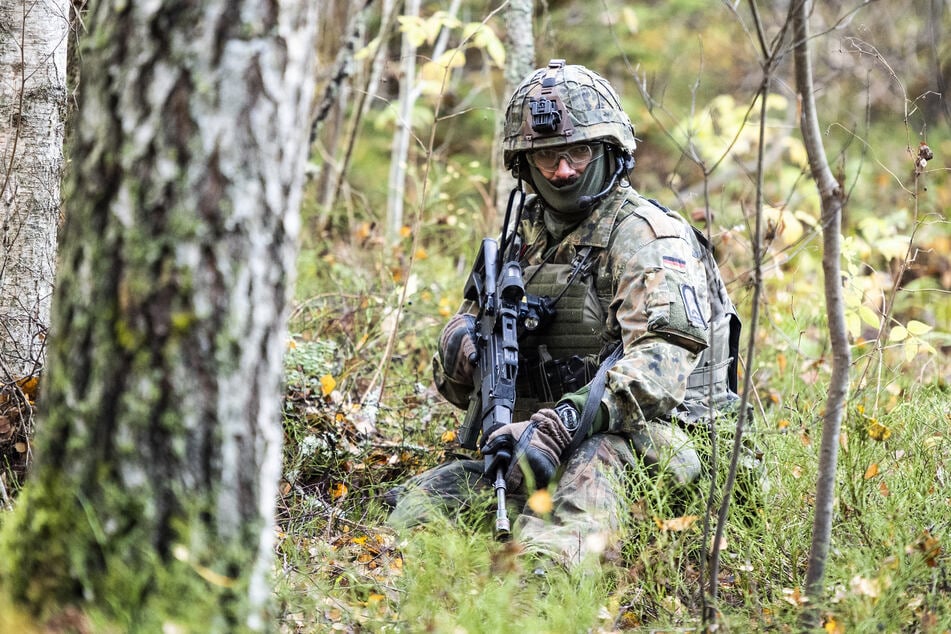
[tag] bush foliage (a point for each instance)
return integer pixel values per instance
(361, 413)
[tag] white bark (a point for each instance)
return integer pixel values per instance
(399, 153)
(519, 62)
(33, 36)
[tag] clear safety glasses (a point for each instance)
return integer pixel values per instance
(578, 156)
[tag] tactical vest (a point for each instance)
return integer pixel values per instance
(565, 355)
(714, 381)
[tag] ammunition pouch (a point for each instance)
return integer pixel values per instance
(548, 380)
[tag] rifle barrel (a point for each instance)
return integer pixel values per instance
(502, 529)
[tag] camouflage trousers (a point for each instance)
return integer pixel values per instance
(589, 499)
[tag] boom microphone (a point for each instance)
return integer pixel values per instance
(586, 202)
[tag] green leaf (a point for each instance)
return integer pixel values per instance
(853, 323)
(869, 316)
(898, 333)
(917, 328)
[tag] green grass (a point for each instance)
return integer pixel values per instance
(340, 567)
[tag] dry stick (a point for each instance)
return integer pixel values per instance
(374, 394)
(689, 152)
(769, 61)
(710, 613)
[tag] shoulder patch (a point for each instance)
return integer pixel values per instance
(663, 225)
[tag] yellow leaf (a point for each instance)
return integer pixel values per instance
(405, 232)
(872, 471)
(448, 436)
(327, 384)
(629, 18)
(445, 310)
(911, 349)
(877, 431)
(540, 502)
(853, 323)
(869, 316)
(362, 232)
(676, 523)
(782, 424)
(421, 254)
(917, 328)
(29, 385)
(338, 490)
(898, 333)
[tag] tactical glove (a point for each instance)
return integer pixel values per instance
(535, 444)
(457, 348)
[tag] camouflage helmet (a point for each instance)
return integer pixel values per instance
(564, 104)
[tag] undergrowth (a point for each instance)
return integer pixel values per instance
(341, 568)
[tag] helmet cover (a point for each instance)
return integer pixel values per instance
(560, 105)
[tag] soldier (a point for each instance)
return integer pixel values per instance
(634, 289)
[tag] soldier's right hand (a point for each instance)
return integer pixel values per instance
(534, 445)
(458, 349)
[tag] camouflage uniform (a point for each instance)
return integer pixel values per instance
(634, 274)
(643, 258)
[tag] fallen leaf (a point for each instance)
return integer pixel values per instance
(877, 431)
(872, 471)
(327, 384)
(540, 502)
(676, 523)
(865, 587)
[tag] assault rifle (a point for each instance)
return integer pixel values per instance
(497, 289)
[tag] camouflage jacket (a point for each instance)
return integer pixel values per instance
(642, 283)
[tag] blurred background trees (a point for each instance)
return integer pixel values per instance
(688, 72)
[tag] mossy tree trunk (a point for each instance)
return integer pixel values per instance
(158, 452)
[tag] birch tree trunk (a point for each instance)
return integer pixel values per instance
(831, 196)
(159, 447)
(399, 153)
(519, 62)
(33, 36)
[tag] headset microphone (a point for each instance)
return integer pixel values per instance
(586, 202)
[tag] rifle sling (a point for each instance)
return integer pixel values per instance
(591, 405)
